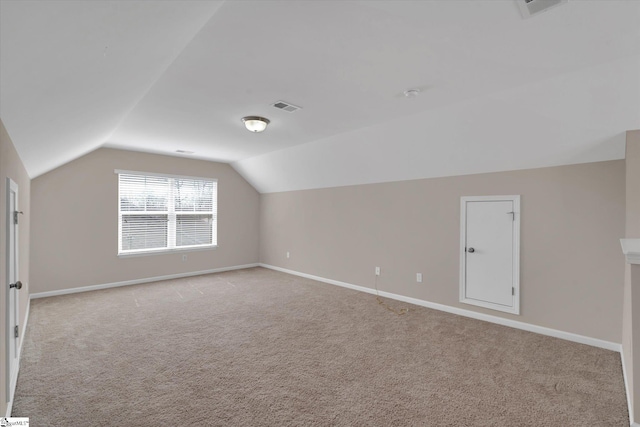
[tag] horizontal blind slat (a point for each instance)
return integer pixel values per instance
(143, 193)
(194, 230)
(151, 207)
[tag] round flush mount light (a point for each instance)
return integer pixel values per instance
(411, 93)
(255, 123)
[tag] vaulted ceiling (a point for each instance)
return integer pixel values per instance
(497, 91)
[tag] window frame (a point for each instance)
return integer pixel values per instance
(171, 215)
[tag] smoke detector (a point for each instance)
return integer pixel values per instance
(529, 8)
(286, 106)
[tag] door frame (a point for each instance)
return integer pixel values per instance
(515, 248)
(11, 369)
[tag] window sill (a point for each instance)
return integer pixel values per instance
(167, 251)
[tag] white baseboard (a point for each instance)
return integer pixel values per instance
(462, 312)
(626, 388)
(137, 281)
(449, 309)
(607, 345)
(20, 346)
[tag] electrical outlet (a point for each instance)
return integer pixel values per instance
(419, 277)
(184, 257)
(287, 254)
(377, 271)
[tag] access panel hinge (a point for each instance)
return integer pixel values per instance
(15, 216)
(513, 291)
(15, 331)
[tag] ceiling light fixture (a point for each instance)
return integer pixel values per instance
(255, 123)
(411, 93)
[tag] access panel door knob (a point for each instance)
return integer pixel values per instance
(17, 285)
(471, 250)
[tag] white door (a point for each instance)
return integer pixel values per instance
(13, 287)
(490, 240)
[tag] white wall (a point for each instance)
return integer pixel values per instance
(572, 271)
(75, 222)
(11, 167)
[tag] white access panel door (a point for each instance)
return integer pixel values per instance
(12, 354)
(490, 231)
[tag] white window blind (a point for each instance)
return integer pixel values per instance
(157, 213)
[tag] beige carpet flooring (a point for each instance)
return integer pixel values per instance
(260, 348)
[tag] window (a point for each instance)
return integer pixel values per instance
(158, 213)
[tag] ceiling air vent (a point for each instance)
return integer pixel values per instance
(286, 106)
(530, 8)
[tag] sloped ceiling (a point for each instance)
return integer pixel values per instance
(498, 92)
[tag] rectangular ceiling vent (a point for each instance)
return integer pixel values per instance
(286, 106)
(530, 8)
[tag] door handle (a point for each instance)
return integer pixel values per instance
(17, 285)
(471, 250)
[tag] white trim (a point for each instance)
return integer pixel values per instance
(12, 227)
(147, 252)
(441, 307)
(626, 387)
(631, 250)
(171, 215)
(137, 281)
(515, 245)
(164, 175)
(595, 342)
(22, 335)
